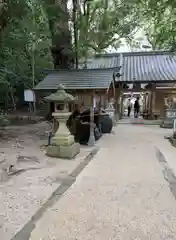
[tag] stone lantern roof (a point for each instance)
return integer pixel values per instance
(60, 96)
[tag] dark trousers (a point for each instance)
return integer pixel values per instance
(129, 111)
(136, 112)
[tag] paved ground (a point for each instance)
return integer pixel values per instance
(123, 194)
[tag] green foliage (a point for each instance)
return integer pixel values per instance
(102, 23)
(28, 29)
(158, 19)
(24, 37)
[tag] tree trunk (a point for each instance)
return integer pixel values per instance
(75, 8)
(61, 36)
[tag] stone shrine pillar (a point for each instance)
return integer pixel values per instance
(111, 111)
(62, 143)
(170, 113)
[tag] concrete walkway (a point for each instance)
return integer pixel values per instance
(121, 195)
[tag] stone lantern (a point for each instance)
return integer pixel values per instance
(62, 143)
(111, 110)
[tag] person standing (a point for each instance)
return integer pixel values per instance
(136, 108)
(129, 107)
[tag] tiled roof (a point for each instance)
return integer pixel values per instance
(102, 61)
(78, 79)
(143, 67)
(148, 66)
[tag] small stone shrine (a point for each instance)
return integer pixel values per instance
(62, 143)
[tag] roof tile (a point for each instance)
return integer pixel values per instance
(144, 67)
(148, 66)
(78, 79)
(101, 61)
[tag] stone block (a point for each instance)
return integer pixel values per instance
(167, 123)
(69, 152)
(53, 151)
(66, 152)
(59, 140)
(170, 115)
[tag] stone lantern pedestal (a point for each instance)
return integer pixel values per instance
(62, 143)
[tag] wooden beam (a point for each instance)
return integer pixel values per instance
(134, 90)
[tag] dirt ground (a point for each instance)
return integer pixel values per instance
(22, 146)
(27, 176)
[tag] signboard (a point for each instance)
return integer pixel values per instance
(29, 95)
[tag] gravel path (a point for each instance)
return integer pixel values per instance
(121, 195)
(35, 178)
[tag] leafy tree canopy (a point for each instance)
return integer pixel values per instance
(102, 23)
(28, 29)
(24, 37)
(158, 20)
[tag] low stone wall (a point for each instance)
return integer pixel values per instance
(25, 118)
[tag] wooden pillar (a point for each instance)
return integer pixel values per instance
(117, 97)
(159, 102)
(162, 106)
(121, 108)
(91, 141)
(100, 100)
(120, 101)
(150, 106)
(148, 102)
(152, 101)
(106, 100)
(144, 102)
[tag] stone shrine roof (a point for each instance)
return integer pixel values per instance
(60, 95)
